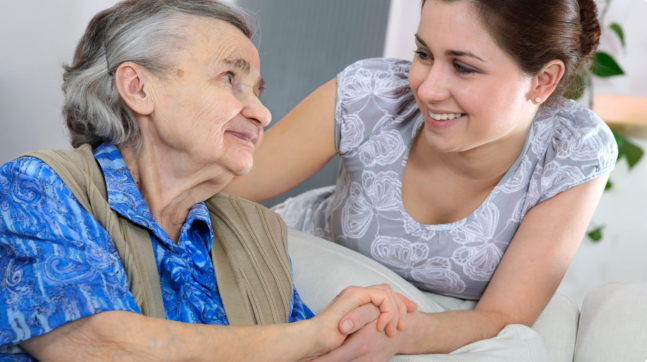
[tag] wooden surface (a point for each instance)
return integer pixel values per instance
(621, 110)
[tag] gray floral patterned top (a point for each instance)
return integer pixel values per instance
(377, 119)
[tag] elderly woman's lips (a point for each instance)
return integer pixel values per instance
(247, 136)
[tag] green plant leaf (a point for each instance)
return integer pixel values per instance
(596, 235)
(618, 30)
(632, 153)
(605, 66)
(608, 186)
(620, 140)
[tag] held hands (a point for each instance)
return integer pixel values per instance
(355, 307)
(393, 308)
(367, 344)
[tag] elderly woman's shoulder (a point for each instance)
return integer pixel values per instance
(30, 182)
(223, 201)
(32, 193)
(23, 169)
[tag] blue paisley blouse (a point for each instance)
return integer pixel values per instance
(57, 264)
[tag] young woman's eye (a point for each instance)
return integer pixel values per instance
(424, 56)
(463, 69)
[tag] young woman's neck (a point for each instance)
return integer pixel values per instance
(485, 164)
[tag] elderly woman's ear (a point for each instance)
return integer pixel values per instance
(135, 88)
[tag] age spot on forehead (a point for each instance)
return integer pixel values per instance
(180, 73)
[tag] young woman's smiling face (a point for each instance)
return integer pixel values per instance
(469, 90)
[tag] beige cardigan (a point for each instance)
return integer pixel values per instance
(249, 251)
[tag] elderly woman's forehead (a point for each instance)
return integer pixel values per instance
(223, 43)
(217, 32)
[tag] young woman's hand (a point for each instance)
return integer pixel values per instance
(393, 307)
(355, 307)
(367, 344)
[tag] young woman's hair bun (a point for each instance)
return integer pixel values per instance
(591, 31)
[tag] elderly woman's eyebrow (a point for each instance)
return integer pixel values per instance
(261, 85)
(244, 66)
(238, 63)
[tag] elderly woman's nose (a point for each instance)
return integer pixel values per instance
(255, 110)
(435, 86)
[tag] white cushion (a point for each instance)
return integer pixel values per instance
(557, 326)
(613, 324)
(322, 269)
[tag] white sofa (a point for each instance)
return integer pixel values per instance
(612, 325)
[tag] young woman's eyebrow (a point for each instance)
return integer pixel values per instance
(454, 53)
(421, 41)
(462, 53)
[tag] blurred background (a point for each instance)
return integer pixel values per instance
(303, 44)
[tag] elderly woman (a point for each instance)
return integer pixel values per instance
(119, 250)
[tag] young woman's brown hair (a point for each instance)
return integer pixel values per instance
(536, 32)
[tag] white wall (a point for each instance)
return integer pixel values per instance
(621, 253)
(36, 38)
(404, 16)
(631, 14)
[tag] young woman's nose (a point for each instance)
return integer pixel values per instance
(434, 88)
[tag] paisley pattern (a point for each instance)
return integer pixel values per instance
(376, 195)
(377, 120)
(414, 260)
(57, 264)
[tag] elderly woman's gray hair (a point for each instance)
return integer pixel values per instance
(146, 32)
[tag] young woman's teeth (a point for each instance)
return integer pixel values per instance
(444, 116)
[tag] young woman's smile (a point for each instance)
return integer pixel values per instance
(471, 92)
(440, 119)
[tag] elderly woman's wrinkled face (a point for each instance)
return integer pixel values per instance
(208, 106)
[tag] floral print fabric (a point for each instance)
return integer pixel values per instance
(57, 264)
(377, 120)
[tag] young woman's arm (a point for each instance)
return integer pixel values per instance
(292, 150)
(523, 284)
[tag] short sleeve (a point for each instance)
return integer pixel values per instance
(57, 264)
(371, 93)
(580, 148)
(299, 311)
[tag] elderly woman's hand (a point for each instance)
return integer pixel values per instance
(393, 307)
(367, 344)
(355, 307)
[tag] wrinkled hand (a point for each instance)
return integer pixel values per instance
(366, 345)
(356, 307)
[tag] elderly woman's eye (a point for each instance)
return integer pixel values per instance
(229, 78)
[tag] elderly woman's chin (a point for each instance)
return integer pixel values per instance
(242, 165)
(238, 157)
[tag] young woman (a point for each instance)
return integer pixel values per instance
(465, 171)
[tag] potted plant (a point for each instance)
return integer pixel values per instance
(604, 65)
